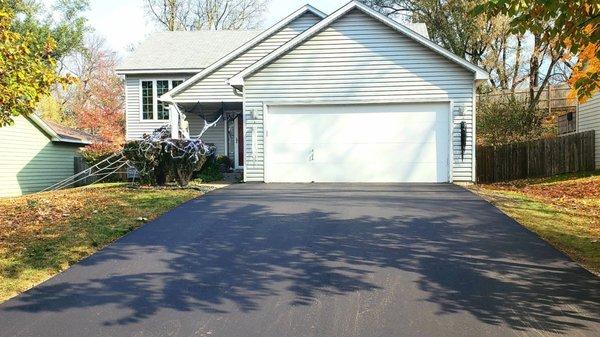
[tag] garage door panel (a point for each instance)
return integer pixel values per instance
(290, 152)
(394, 153)
(353, 127)
(363, 172)
(358, 143)
(354, 153)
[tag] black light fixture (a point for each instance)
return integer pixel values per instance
(463, 139)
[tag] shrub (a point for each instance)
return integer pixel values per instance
(509, 119)
(224, 163)
(144, 159)
(97, 152)
(211, 171)
(159, 158)
(184, 157)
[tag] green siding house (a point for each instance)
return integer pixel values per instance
(34, 154)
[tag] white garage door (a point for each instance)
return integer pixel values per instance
(357, 143)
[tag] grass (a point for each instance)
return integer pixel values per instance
(563, 210)
(43, 234)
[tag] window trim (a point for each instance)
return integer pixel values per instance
(154, 97)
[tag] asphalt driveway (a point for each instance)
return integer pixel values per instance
(319, 260)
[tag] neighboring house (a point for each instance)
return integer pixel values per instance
(566, 123)
(37, 154)
(350, 97)
(588, 118)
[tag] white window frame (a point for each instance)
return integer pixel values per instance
(154, 97)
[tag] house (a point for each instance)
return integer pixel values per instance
(350, 97)
(41, 154)
(588, 118)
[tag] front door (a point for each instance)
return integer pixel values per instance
(239, 141)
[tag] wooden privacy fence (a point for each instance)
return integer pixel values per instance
(540, 158)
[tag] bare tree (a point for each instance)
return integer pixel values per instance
(171, 14)
(513, 60)
(207, 14)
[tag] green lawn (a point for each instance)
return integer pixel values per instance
(563, 210)
(43, 234)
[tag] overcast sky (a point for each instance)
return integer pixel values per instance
(123, 22)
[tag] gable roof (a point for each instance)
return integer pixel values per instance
(183, 51)
(243, 48)
(238, 80)
(63, 134)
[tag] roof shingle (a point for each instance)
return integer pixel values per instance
(69, 134)
(184, 50)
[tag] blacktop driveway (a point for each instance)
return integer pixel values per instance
(319, 260)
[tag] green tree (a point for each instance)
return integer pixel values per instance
(63, 22)
(27, 66)
(449, 23)
(572, 25)
(513, 58)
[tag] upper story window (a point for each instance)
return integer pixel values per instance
(151, 108)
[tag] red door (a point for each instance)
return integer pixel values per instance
(240, 143)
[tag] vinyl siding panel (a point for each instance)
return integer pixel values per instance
(588, 118)
(358, 59)
(214, 87)
(135, 126)
(31, 161)
(214, 135)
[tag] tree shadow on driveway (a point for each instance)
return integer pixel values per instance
(244, 248)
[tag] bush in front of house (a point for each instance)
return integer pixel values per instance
(213, 169)
(146, 160)
(183, 158)
(160, 159)
(224, 163)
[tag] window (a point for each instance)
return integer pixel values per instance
(151, 90)
(163, 108)
(147, 100)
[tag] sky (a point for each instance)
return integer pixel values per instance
(123, 22)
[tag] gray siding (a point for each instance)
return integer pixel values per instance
(588, 118)
(214, 87)
(360, 59)
(31, 161)
(135, 126)
(214, 135)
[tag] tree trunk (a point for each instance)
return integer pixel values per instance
(534, 67)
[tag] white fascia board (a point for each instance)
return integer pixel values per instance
(157, 71)
(47, 129)
(72, 141)
(240, 50)
(238, 80)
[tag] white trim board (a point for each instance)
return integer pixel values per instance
(239, 51)
(238, 80)
(157, 71)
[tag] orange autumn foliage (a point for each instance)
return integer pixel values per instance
(585, 79)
